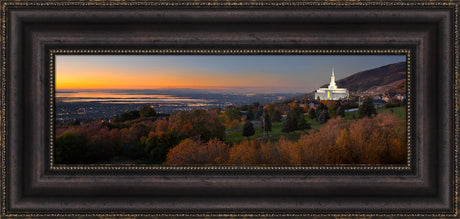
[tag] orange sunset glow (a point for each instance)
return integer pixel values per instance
(114, 79)
(298, 73)
(93, 77)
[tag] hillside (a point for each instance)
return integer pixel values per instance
(377, 80)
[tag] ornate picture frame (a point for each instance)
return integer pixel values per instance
(33, 32)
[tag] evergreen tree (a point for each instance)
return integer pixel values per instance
(404, 102)
(289, 125)
(303, 125)
(275, 116)
(267, 127)
(323, 117)
(340, 112)
(312, 114)
(258, 114)
(320, 109)
(248, 129)
(250, 115)
(367, 108)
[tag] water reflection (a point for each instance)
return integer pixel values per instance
(119, 98)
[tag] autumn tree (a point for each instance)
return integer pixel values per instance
(293, 105)
(248, 129)
(370, 140)
(332, 108)
(245, 152)
(306, 108)
(273, 112)
(394, 102)
(202, 124)
(193, 151)
(232, 117)
(232, 114)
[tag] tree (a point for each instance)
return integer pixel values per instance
(70, 148)
(74, 122)
(340, 112)
(267, 124)
(258, 114)
(232, 114)
(293, 119)
(306, 108)
(147, 112)
(204, 123)
(275, 115)
(250, 115)
(312, 113)
(293, 105)
(303, 125)
(323, 117)
(320, 109)
(394, 102)
(248, 129)
(131, 115)
(289, 125)
(332, 108)
(367, 108)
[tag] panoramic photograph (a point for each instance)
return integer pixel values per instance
(230, 109)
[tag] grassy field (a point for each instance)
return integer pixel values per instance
(399, 111)
(276, 133)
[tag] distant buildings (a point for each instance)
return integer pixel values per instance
(331, 92)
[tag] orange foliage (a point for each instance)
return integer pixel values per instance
(377, 140)
(293, 105)
(192, 151)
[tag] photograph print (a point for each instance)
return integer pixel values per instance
(230, 109)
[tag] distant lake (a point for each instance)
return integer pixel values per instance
(121, 97)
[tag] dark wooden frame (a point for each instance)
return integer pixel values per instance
(31, 29)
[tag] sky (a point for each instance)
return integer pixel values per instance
(275, 73)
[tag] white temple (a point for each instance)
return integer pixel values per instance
(331, 92)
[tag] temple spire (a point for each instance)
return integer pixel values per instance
(332, 85)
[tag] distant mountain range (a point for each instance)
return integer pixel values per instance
(377, 80)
